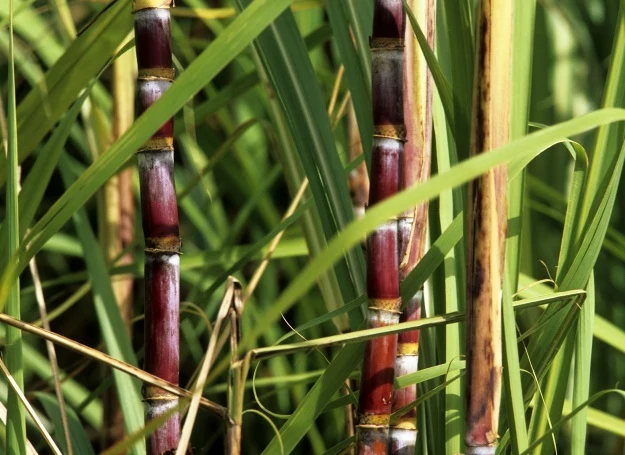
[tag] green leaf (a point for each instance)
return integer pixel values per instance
(16, 418)
(556, 426)
(581, 378)
(214, 58)
(457, 18)
(609, 138)
(50, 99)
(358, 80)
(293, 79)
(513, 389)
(299, 422)
(80, 439)
(110, 321)
(36, 182)
(530, 145)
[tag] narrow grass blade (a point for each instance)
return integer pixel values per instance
(36, 182)
(450, 203)
(16, 423)
(229, 44)
(293, 80)
(513, 390)
(530, 145)
(581, 377)
(45, 104)
(360, 18)
(80, 438)
(457, 18)
(609, 137)
(359, 81)
(52, 357)
(110, 321)
(31, 412)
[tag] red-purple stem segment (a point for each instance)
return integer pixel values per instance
(413, 223)
(160, 223)
(376, 387)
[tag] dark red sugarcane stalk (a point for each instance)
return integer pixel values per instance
(413, 223)
(160, 222)
(486, 228)
(376, 387)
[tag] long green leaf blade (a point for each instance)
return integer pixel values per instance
(111, 324)
(293, 79)
(214, 58)
(16, 423)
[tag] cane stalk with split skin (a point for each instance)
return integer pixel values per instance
(376, 388)
(486, 227)
(413, 223)
(160, 221)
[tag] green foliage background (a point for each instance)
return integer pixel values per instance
(252, 123)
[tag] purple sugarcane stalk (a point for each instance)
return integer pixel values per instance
(160, 223)
(376, 388)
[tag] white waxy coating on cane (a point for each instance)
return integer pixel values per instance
(402, 438)
(378, 318)
(388, 144)
(406, 364)
(145, 18)
(481, 450)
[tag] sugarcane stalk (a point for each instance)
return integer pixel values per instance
(123, 87)
(160, 222)
(358, 178)
(118, 232)
(376, 387)
(413, 223)
(486, 230)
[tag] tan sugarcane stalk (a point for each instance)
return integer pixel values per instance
(413, 223)
(486, 227)
(376, 387)
(119, 229)
(358, 178)
(123, 87)
(160, 222)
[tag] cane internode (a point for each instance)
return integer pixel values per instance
(376, 387)
(159, 211)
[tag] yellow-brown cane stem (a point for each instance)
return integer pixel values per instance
(413, 223)
(358, 178)
(486, 230)
(119, 230)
